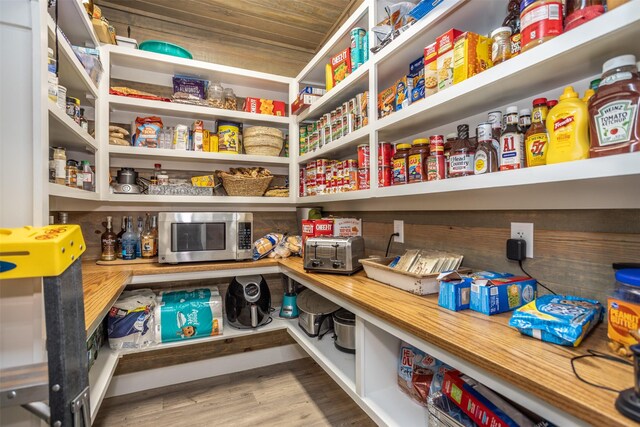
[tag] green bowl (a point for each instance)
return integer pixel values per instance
(165, 48)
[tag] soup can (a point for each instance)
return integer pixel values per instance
(436, 144)
(384, 176)
(385, 153)
(363, 156)
(436, 168)
(363, 179)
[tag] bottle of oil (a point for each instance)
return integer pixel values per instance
(108, 241)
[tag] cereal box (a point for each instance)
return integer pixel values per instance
(387, 101)
(430, 69)
(492, 296)
(471, 55)
(415, 80)
(347, 227)
(264, 106)
(402, 94)
(444, 46)
(341, 66)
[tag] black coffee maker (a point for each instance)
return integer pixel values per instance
(247, 302)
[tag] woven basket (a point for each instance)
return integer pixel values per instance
(239, 186)
(263, 141)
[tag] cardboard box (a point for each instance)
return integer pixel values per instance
(103, 33)
(316, 228)
(341, 66)
(430, 69)
(492, 296)
(444, 46)
(455, 291)
(471, 55)
(402, 94)
(310, 90)
(265, 106)
(415, 80)
(302, 102)
(347, 227)
(480, 409)
(387, 101)
(203, 181)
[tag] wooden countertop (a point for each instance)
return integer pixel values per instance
(539, 368)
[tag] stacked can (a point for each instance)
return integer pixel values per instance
(364, 163)
(359, 45)
(303, 140)
(310, 179)
(436, 164)
(385, 155)
(303, 183)
(350, 175)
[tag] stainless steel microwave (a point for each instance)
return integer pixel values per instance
(204, 236)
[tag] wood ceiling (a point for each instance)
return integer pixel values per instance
(300, 25)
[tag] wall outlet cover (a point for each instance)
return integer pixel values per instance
(398, 227)
(523, 230)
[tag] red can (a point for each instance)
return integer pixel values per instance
(384, 176)
(436, 145)
(385, 154)
(363, 179)
(363, 156)
(436, 168)
(302, 185)
(351, 164)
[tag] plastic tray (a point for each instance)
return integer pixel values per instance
(165, 48)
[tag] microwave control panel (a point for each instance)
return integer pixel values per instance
(244, 236)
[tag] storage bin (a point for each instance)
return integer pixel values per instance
(242, 186)
(263, 141)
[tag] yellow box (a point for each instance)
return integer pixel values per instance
(213, 143)
(203, 181)
(471, 55)
(205, 140)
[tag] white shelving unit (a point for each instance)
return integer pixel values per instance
(342, 146)
(59, 190)
(172, 200)
(64, 132)
(100, 376)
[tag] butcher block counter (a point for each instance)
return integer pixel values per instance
(537, 368)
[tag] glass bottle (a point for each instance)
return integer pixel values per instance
(536, 140)
(129, 240)
(512, 20)
(84, 123)
(146, 240)
(123, 229)
(60, 165)
(524, 120)
(71, 174)
(108, 241)
(486, 158)
(462, 154)
(88, 176)
(511, 142)
(154, 232)
(139, 237)
(495, 118)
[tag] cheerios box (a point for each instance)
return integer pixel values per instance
(492, 296)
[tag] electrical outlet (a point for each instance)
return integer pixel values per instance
(398, 227)
(523, 230)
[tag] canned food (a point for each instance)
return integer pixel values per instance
(358, 39)
(384, 176)
(351, 164)
(302, 190)
(436, 168)
(436, 144)
(363, 179)
(385, 153)
(363, 156)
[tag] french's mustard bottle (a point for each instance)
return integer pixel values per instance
(568, 127)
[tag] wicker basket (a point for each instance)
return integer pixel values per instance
(242, 186)
(263, 141)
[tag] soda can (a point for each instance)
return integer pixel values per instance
(436, 168)
(384, 176)
(363, 156)
(385, 154)
(363, 179)
(436, 145)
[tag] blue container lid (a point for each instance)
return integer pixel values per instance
(629, 276)
(525, 4)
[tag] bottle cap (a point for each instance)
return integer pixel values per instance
(525, 112)
(512, 109)
(569, 92)
(420, 141)
(619, 61)
(594, 84)
(403, 146)
(452, 135)
(539, 101)
(500, 30)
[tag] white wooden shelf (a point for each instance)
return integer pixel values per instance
(337, 197)
(395, 408)
(343, 146)
(355, 83)
(65, 132)
(100, 376)
(213, 200)
(569, 57)
(59, 190)
(74, 21)
(71, 72)
(193, 112)
(339, 365)
(126, 152)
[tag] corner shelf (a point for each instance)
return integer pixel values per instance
(58, 190)
(65, 132)
(339, 146)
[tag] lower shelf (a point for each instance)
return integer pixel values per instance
(395, 408)
(59, 190)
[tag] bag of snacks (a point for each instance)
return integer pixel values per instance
(147, 131)
(266, 244)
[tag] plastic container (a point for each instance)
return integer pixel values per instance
(623, 311)
(540, 20)
(60, 164)
(165, 48)
(230, 100)
(580, 11)
(400, 163)
(417, 160)
(568, 128)
(462, 155)
(500, 45)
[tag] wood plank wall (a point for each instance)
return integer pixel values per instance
(573, 249)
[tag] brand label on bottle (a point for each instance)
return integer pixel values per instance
(415, 168)
(128, 249)
(615, 78)
(511, 151)
(461, 164)
(399, 171)
(615, 121)
(480, 163)
(537, 149)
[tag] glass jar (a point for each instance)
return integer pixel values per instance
(417, 160)
(400, 161)
(500, 45)
(73, 108)
(215, 95)
(71, 174)
(230, 101)
(623, 311)
(60, 164)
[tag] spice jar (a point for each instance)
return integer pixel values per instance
(540, 20)
(163, 178)
(400, 162)
(624, 310)
(215, 95)
(417, 160)
(500, 45)
(71, 174)
(60, 164)
(230, 101)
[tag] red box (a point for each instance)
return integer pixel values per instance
(264, 106)
(303, 101)
(316, 228)
(341, 66)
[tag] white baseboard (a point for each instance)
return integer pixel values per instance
(192, 371)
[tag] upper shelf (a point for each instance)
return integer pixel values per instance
(71, 73)
(193, 112)
(572, 56)
(65, 132)
(75, 22)
(341, 147)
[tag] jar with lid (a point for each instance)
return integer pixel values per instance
(486, 157)
(73, 108)
(540, 21)
(71, 173)
(536, 139)
(84, 123)
(524, 120)
(417, 160)
(400, 162)
(462, 154)
(230, 101)
(89, 181)
(613, 110)
(60, 164)
(580, 11)
(215, 95)
(500, 45)
(624, 310)
(163, 178)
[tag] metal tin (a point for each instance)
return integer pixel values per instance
(363, 156)
(436, 144)
(363, 179)
(436, 168)
(384, 176)
(385, 153)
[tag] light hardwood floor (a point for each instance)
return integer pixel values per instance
(297, 393)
